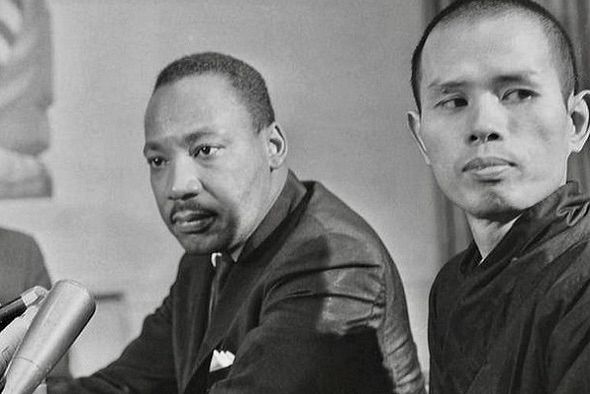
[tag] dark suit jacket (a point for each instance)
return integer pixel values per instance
(314, 304)
(21, 265)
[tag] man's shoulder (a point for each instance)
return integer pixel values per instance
(329, 221)
(573, 266)
(328, 214)
(14, 237)
(18, 249)
(566, 253)
(329, 239)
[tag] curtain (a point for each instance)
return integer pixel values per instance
(574, 15)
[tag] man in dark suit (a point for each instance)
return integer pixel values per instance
(283, 288)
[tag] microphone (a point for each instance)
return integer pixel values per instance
(63, 314)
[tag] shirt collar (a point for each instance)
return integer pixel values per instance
(215, 256)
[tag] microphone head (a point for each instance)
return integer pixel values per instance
(63, 314)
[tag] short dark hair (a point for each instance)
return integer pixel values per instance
(247, 82)
(559, 40)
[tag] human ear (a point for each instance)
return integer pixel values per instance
(579, 113)
(414, 125)
(276, 144)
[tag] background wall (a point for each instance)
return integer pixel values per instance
(338, 73)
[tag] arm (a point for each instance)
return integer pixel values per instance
(319, 329)
(567, 357)
(145, 366)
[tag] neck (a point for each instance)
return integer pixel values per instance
(488, 233)
(278, 180)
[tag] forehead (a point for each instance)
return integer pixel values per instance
(474, 49)
(197, 101)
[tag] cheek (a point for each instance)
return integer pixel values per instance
(442, 153)
(546, 138)
(442, 140)
(159, 192)
(158, 189)
(247, 176)
(230, 191)
(548, 122)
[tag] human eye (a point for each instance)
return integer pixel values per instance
(205, 151)
(452, 103)
(518, 95)
(156, 162)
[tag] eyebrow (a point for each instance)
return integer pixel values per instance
(517, 77)
(522, 77)
(436, 87)
(444, 86)
(196, 135)
(187, 139)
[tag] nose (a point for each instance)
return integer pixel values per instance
(184, 181)
(488, 121)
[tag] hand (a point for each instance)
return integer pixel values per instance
(11, 337)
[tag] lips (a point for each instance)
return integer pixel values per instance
(191, 221)
(488, 169)
(483, 163)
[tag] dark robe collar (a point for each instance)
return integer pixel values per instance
(560, 210)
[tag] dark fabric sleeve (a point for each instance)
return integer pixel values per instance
(567, 358)
(444, 293)
(398, 345)
(318, 326)
(434, 339)
(146, 365)
(37, 272)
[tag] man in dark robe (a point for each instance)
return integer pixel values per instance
(499, 113)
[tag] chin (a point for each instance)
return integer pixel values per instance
(197, 245)
(496, 214)
(494, 207)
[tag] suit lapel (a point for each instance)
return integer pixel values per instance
(196, 318)
(240, 282)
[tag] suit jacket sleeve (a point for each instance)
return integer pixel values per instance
(146, 365)
(318, 326)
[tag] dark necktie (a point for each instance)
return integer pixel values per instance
(223, 263)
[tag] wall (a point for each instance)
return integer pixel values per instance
(338, 74)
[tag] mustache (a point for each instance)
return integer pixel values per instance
(189, 206)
